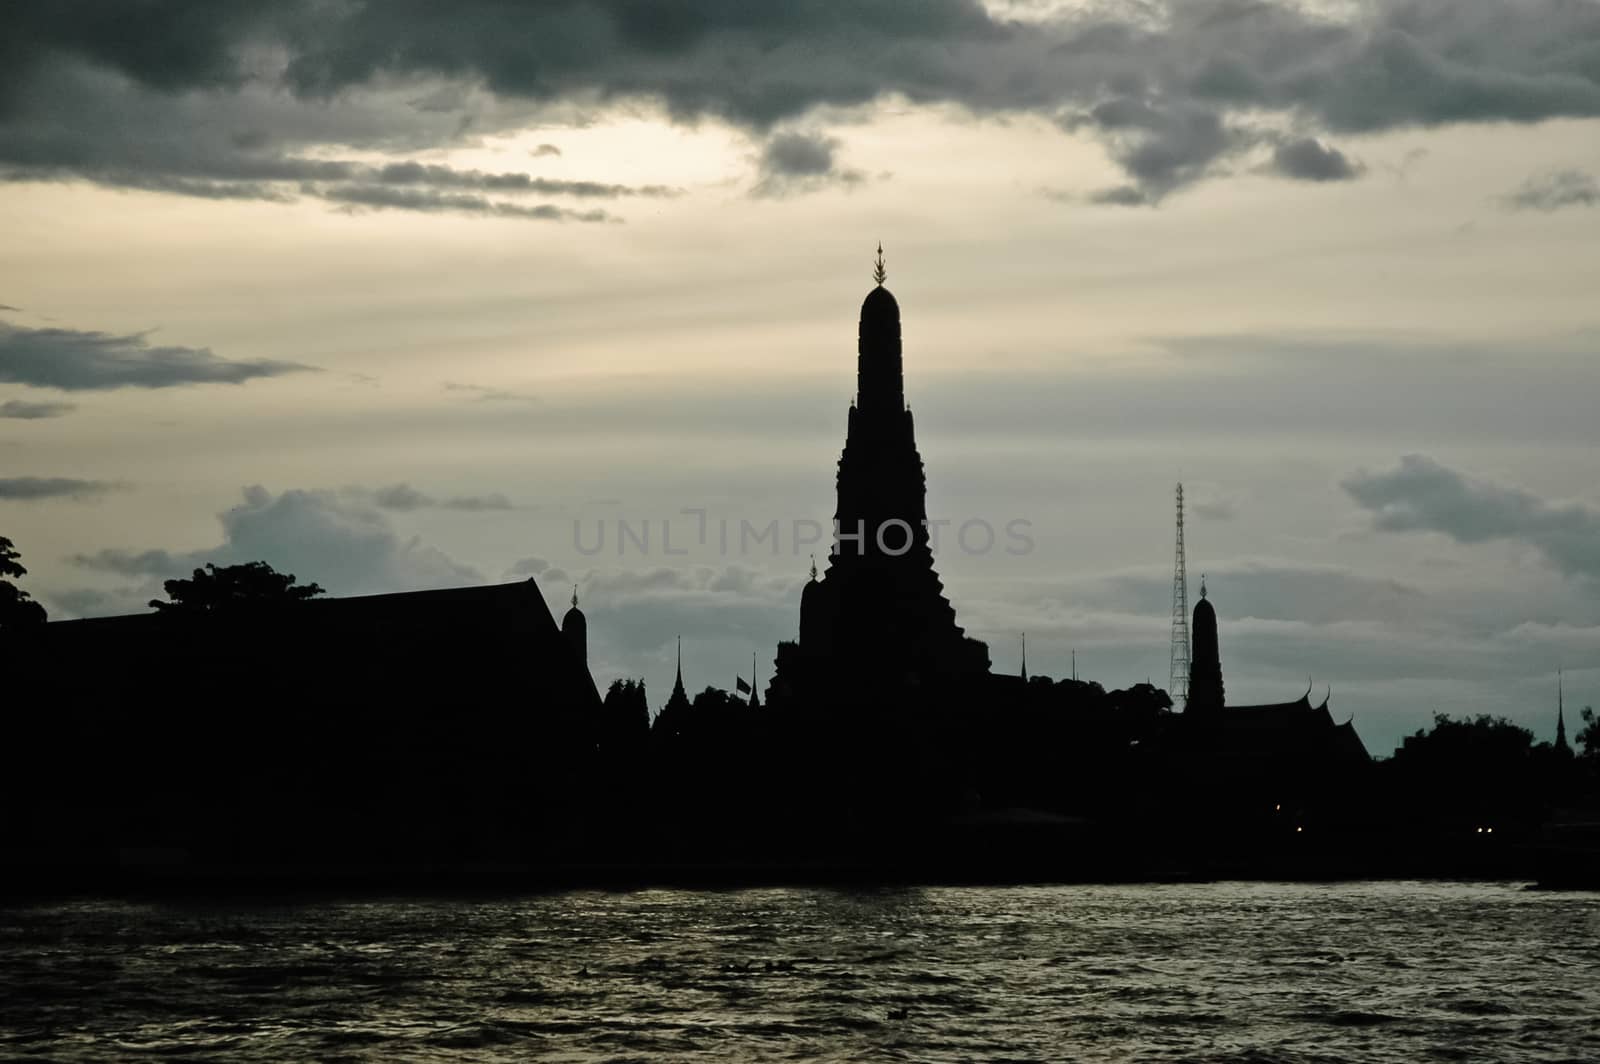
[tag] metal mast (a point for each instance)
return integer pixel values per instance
(1178, 682)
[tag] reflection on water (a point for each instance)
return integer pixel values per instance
(1225, 972)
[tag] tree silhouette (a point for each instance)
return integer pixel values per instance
(17, 607)
(1589, 735)
(231, 587)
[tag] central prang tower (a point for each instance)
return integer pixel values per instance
(878, 618)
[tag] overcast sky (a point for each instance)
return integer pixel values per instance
(396, 294)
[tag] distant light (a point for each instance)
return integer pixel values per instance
(1299, 829)
(1277, 808)
(1489, 830)
(1480, 831)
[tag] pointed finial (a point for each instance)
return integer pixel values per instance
(1202, 585)
(879, 273)
(1024, 655)
(813, 567)
(574, 594)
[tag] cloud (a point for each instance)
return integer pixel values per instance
(26, 411)
(793, 163)
(487, 394)
(545, 149)
(1174, 88)
(349, 548)
(1555, 190)
(1422, 495)
(74, 360)
(413, 173)
(1308, 159)
(34, 489)
(548, 576)
(723, 613)
(403, 497)
(7, 306)
(1121, 196)
(1161, 145)
(1218, 510)
(256, 142)
(384, 197)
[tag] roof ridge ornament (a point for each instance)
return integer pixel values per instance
(574, 596)
(879, 273)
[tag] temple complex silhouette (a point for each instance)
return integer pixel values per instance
(466, 724)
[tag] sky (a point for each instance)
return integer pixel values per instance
(398, 295)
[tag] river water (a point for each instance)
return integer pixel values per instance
(1217, 972)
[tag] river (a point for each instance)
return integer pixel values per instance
(1254, 972)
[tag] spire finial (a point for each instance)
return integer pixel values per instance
(813, 567)
(879, 273)
(1024, 655)
(1202, 585)
(574, 594)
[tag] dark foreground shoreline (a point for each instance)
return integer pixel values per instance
(156, 876)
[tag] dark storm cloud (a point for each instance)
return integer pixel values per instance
(26, 411)
(1308, 159)
(74, 360)
(1176, 90)
(1162, 146)
(801, 162)
(349, 547)
(1552, 191)
(35, 489)
(250, 144)
(1423, 496)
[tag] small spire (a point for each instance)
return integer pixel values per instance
(1561, 716)
(574, 595)
(879, 273)
(1024, 655)
(1202, 585)
(813, 567)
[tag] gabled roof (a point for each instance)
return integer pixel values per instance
(479, 642)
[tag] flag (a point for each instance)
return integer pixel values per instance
(743, 688)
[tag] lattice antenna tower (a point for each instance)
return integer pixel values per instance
(1178, 681)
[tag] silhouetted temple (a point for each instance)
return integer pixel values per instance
(1205, 665)
(1289, 736)
(878, 618)
(401, 723)
(678, 701)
